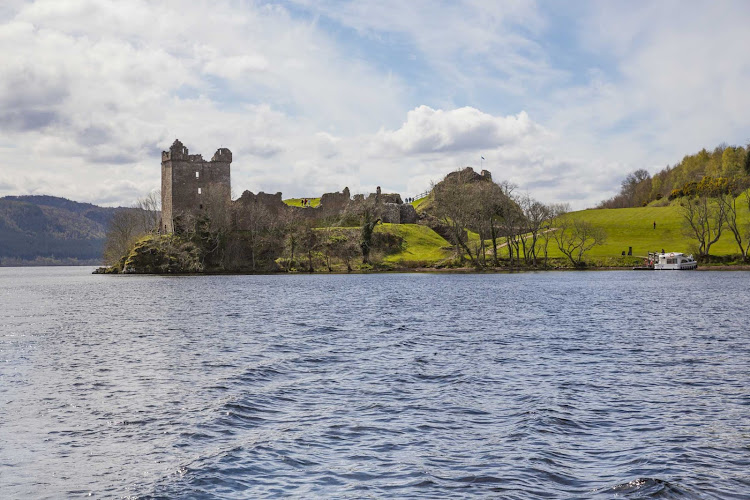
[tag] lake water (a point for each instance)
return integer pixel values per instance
(535, 385)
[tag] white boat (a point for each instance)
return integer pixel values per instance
(674, 261)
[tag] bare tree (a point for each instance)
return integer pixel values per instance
(257, 224)
(489, 203)
(704, 218)
(556, 211)
(453, 202)
(575, 237)
(338, 243)
(149, 208)
(123, 231)
(741, 232)
(345, 248)
(536, 217)
(309, 242)
(511, 220)
(130, 224)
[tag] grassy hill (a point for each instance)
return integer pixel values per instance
(422, 246)
(634, 227)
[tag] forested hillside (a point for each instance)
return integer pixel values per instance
(725, 166)
(50, 230)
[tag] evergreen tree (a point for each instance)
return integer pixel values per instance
(747, 161)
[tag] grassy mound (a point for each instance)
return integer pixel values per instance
(422, 246)
(297, 202)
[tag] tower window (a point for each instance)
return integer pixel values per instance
(199, 190)
(197, 175)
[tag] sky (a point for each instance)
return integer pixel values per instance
(562, 98)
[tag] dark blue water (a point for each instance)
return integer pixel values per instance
(548, 385)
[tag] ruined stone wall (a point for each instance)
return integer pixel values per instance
(386, 198)
(335, 202)
(271, 202)
(389, 213)
(192, 186)
(408, 214)
(391, 209)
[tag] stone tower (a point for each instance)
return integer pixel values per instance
(192, 186)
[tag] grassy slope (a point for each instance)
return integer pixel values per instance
(418, 202)
(297, 202)
(634, 227)
(422, 244)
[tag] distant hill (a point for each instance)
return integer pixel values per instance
(46, 230)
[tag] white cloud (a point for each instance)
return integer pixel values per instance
(87, 86)
(673, 81)
(313, 96)
(431, 131)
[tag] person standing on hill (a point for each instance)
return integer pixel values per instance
(654, 224)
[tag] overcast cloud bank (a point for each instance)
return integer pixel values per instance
(312, 97)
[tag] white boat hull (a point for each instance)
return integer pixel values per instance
(674, 262)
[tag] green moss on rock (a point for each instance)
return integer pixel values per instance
(163, 254)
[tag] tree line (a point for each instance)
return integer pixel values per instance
(640, 188)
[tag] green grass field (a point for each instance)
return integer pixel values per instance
(422, 244)
(634, 227)
(297, 202)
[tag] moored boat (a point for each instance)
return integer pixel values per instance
(674, 261)
(665, 261)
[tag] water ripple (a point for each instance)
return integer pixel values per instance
(549, 385)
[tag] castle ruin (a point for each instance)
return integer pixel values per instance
(192, 186)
